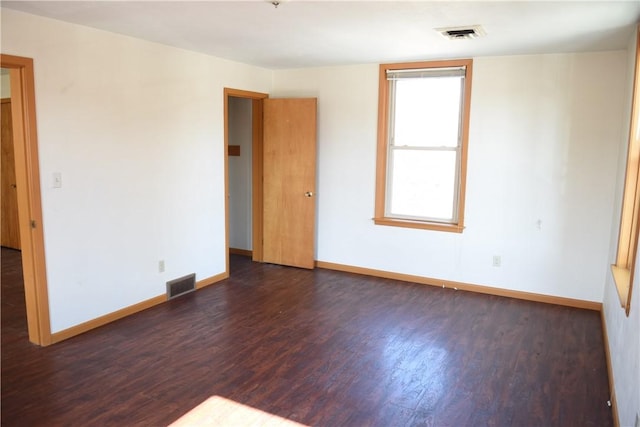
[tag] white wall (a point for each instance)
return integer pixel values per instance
(136, 129)
(240, 173)
(5, 85)
(540, 149)
(624, 332)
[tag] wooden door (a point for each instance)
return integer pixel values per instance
(289, 175)
(10, 229)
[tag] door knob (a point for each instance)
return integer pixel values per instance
(308, 194)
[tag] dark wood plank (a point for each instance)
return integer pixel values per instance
(319, 347)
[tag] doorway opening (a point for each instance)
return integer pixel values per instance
(27, 188)
(283, 168)
(10, 229)
(243, 172)
(14, 311)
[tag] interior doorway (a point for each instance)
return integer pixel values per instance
(25, 144)
(236, 103)
(9, 228)
(240, 154)
(283, 174)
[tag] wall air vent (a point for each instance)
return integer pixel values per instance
(181, 286)
(461, 33)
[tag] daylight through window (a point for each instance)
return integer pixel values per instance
(422, 141)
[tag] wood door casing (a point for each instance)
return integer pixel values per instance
(25, 143)
(289, 175)
(256, 183)
(10, 228)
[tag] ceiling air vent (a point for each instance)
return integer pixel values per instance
(461, 33)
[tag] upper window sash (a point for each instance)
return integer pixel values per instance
(412, 73)
(393, 76)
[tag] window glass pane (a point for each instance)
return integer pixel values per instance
(422, 184)
(427, 112)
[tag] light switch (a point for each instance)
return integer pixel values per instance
(57, 180)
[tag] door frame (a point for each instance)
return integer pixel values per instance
(25, 142)
(256, 167)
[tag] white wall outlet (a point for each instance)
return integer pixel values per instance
(57, 180)
(161, 266)
(497, 260)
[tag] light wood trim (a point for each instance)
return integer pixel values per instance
(527, 296)
(124, 312)
(612, 387)
(211, 280)
(426, 64)
(381, 152)
(29, 198)
(243, 252)
(107, 318)
(622, 279)
(226, 180)
(240, 93)
(256, 176)
(465, 142)
(453, 228)
(630, 214)
(628, 219)
(634, 133)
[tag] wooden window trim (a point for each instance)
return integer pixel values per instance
(381, 162)
(624, 268)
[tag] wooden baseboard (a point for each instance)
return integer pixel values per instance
(211, 280)
(528, 296)
(244, 252)
(127, 311)
(612, 388)
(107, 318)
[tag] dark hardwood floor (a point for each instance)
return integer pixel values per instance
(319, 347)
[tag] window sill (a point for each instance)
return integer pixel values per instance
(437, 226)
(622, 279)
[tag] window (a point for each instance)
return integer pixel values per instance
(624, 267)
(423, 118)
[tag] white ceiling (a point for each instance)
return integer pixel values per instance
(305, 33)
